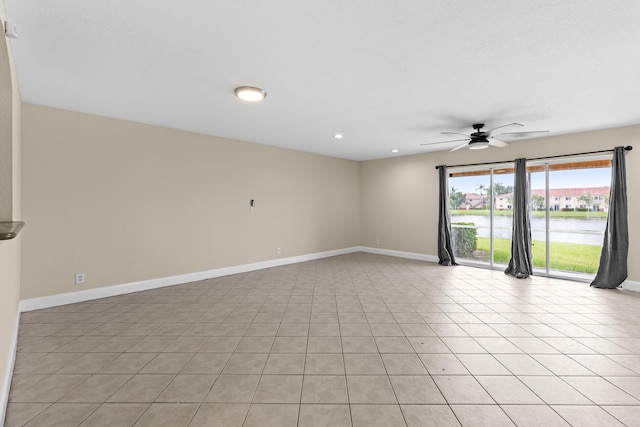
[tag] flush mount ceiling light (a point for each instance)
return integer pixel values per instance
(338, 136)
(394, 151)
(250, 93)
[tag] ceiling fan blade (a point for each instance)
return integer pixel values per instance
(444, 142)
(522, 134)
(460, 146)
(490, 131)
(498, 143)
(455, 133)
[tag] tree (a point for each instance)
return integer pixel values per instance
(587, 198)
(483, 189)
(456, 198)
(537, 202)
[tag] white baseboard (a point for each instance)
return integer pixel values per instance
(6, 386)
(127, 288)
(631, 285)
(400, 254)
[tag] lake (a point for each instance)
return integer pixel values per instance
(568, 230)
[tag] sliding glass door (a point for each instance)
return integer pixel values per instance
(568, 206)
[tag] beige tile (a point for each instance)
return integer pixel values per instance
(272, 415)
(19, 413)
(359, 345)
(233, 389)
(186, 345)
(429, 416)
(255, 344)
(443, 364)
(482, 364)
(50, 389)
(554, 391)
(141, 388)
(508, 390)
(534, 415)
(151, 345)
(279, 389)
(355, 330)
(167, 363)
(481, 415)
(115, 414)
(35, 363)
(63, 414)
(462, 390)
(285, 363)
(628, 415)
(289, 345)
(324, 416)
(206, 363)
(386, 330)
(221, 344)
(428, 345)
(246, 363)
(601, 365)
(586, 416)
(324, 389)
(128, 363)
(463, 345)
(394, 345)
(521, 364)
(631, 385)
(173, 414)
(220, 415)
(187, 388)
(324, 344)
(364, 364)
(370, 389)
(600, 391)
(416, 390)
(293, 330)
(96, 389)
(324, 364)
(561, 364)
(263, 329)
(377, 416)
(403, 364)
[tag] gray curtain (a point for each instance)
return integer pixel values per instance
(520, 262)
(445, 244)
(613, 258)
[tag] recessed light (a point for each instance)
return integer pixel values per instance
(394, 151)
(338, 136)
(250, 93)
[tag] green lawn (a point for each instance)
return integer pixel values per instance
(563, 256)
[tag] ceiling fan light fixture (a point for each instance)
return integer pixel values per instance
(478, 145)
(250, 93)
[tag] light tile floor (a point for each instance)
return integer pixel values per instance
(353, 340)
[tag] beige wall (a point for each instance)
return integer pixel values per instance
(124, 202)
(400, 195)
(10, 249)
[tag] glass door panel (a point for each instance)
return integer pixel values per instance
(469, 204)
(502, 214)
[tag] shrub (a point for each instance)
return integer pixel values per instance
(465, 239)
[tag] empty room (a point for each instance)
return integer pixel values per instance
(241, 213)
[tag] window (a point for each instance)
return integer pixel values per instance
(567, 240)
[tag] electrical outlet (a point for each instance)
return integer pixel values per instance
(278, 251)
(79, 278)
(377, 242)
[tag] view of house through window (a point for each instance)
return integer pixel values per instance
(569, 201)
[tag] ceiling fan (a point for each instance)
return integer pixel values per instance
(482, 139)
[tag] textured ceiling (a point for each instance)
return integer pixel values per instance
(386, 74)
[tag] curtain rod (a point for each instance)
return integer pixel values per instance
(627, 148)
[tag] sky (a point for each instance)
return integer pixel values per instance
(577, 178)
